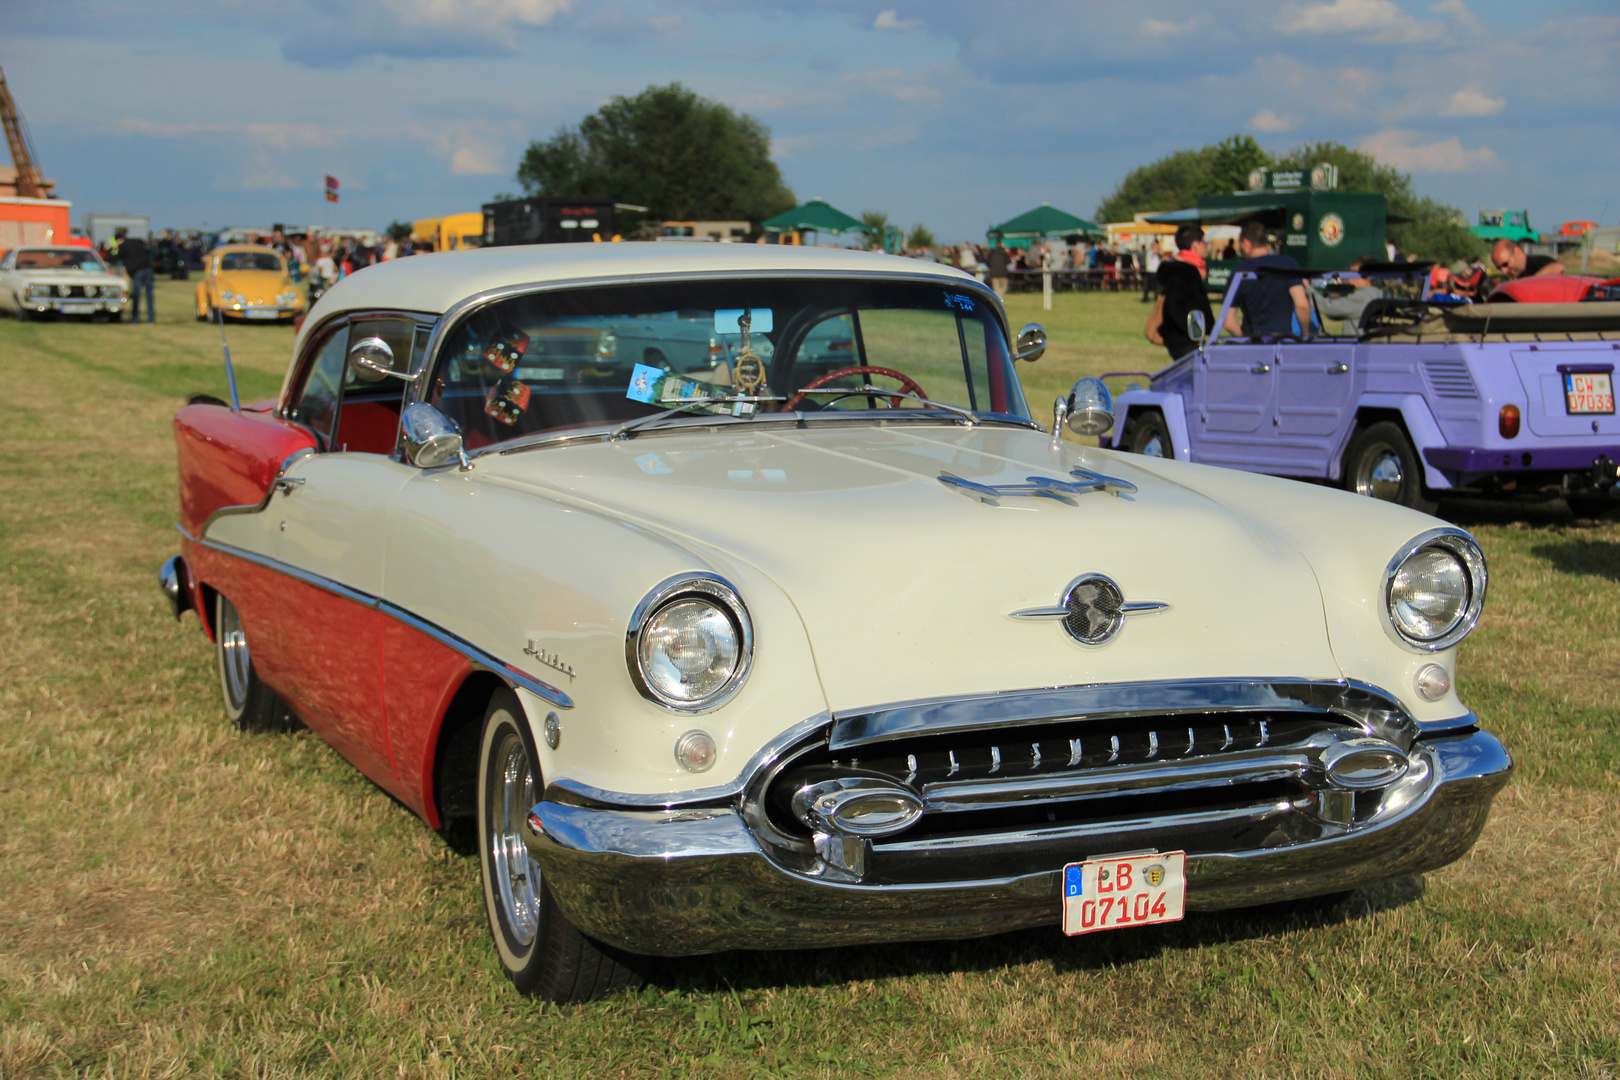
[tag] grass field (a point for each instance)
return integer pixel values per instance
(184, 900)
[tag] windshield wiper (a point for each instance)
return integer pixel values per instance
(967, 416)
(624, 429)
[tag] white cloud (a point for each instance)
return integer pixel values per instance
(482, 16)
(475, 159)
(1472, 102)
(1398, 147)
(891, 20)
(1377, 20)
(1162, 28)
(1269, 122)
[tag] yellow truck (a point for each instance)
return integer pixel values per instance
(452, 232)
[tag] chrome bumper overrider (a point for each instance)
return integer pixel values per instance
(694, 880)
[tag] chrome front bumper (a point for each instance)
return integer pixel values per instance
(688, 881)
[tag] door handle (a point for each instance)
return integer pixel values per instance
(288, 484)
(1338, 369)
(1259, 369)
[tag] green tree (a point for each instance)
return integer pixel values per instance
(920, 236)
(680, 155)
(399, 230)
(875, 223)
(1436, 231)
(1175, 181)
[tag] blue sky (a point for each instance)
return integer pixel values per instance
(948, 113)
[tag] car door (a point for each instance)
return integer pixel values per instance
(1233, 391)
(331, 534)
(1315, 390)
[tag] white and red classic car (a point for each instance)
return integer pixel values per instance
(744, 657)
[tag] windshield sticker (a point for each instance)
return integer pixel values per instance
(644, 381)
(958, 300)
(730, 320)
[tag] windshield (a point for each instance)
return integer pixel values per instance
(576, 358)
(250, 260)
(59, 259)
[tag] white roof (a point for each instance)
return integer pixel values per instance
(434, 283)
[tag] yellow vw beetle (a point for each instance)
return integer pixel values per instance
(247, 281)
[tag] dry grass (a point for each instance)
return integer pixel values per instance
(186, 900)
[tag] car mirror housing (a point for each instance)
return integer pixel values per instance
(1090, 407)
(1031, 344)
(372, 355)
(430, 438)
(1196, 327)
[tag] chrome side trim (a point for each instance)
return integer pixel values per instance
(276, 484)
(1368, 707)
(574, 793)
(478, 657)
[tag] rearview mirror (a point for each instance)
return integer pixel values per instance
(1197, 329)
(1090, 407)
(372, 355)
(1031, 343)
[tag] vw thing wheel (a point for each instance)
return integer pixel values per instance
(1149, 435)
(1382, 464)
(541, 951)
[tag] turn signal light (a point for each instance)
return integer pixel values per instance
(1507, 422)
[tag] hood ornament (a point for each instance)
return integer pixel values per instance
(1043, 486)
(1093, 609)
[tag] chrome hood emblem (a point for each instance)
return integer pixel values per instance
(1093, 609)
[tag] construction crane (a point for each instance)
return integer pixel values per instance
(30, 184)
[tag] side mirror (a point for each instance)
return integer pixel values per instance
(1090, 407)
(431, 439)
(372, 355)
(1196, 327)
(1031, 343)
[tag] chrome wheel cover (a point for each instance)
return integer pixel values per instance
(1154, 447)
(1380, 474)
(235, 665)
(517, 876)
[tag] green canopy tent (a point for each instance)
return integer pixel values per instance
(1043, 221)
(814, 216)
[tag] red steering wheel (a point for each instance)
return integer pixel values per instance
(906, 383)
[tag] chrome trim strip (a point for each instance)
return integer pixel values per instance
(1375, 711)
(575, 793)
(269, 493)
(479, 658)
(1111, 828)
(1130, 607)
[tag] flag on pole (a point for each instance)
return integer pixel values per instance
(331, 188)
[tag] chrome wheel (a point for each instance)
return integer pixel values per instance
(235, 664)
(1380, 473)
(517, 876)
(1154, 446)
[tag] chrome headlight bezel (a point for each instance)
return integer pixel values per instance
(1461, 547)
(723, 596)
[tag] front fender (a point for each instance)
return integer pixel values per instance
(1170, 404)
(1420, 425)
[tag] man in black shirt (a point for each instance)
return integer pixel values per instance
(1000, 258)
(1271, 303)
(1181, 291)
(1508, 257)
(138, 265)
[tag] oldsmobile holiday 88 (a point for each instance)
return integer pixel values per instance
(742, 655)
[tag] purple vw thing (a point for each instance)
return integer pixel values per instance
(1422, 400)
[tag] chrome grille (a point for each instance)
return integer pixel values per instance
(1449, 378)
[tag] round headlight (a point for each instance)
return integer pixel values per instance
(690, 643)
(1435, 589)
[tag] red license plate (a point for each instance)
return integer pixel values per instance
(1588, 392)
(1131, 890)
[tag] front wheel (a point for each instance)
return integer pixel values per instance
(1149, 435)
(249, 704)
(1382, 464)
(541, 951)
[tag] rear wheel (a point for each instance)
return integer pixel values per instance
(1149, 435)
(1591, 506)
(1382, 464)
(249, 704)
(541, 951)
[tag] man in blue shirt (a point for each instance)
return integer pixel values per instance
(1272, 303)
